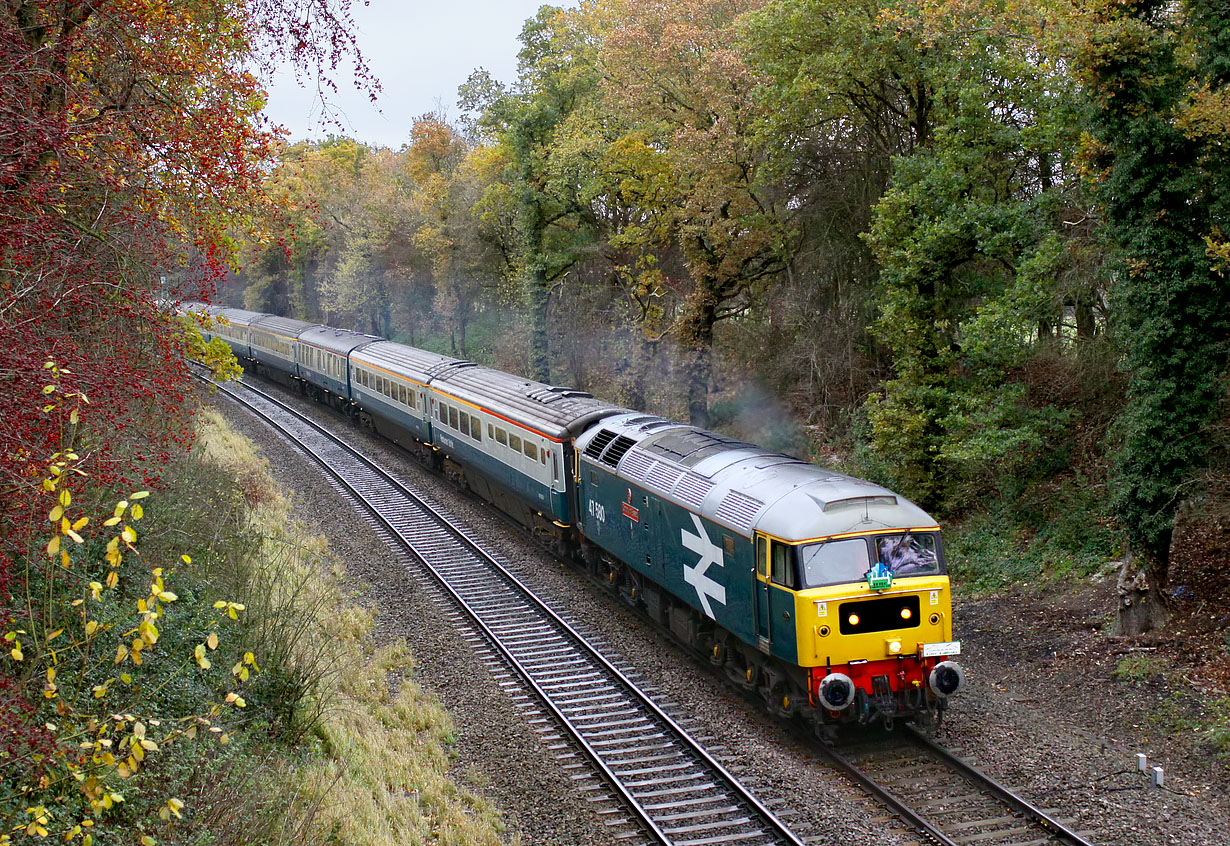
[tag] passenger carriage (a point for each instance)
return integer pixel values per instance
(324, 362)
(232, 325)
(510, 439)
(389, 382)
(275, 346)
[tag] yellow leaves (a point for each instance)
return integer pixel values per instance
(91, 626)
(129, 535)
(172, 808)
(146, 840)
(199, 652)
(187, 559)
(96, 589)
(140, 495)
(56, 514)
(212, 640)
(37, 826)
(236, 699)
(65, 498)
(113, 579)
(121, 652)
(74, 417)
(53, 546)
(231, 608)
(16, 652)
(137, 512)
(241, 668)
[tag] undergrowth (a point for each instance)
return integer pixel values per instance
(258, 710)
(1059, 533)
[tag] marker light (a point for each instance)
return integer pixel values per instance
(906, 613)
(894, 647)
(853, 620)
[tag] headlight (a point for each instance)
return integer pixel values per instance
(894, 647)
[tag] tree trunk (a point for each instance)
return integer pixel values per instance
(696, 335)
(540, 353)
(1141, 596)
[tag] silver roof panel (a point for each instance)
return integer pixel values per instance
(340, 341)
(286, 327)
(554, 411)
(742, 486)
(411, 362)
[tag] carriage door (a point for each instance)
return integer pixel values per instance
(760, 586)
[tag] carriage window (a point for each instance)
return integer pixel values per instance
(465, 424)
(531, 451)
(476, 428)
(452, 417)
(783, 565)
(490, 431)
(834, 562)
(501, 436)
(401, 394)
(514, 442)
(544, 456)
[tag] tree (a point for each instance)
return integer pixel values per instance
(556, 75)
(693, 165)
(1158, 79)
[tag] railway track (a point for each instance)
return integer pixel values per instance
(676, 790)
(946, 799)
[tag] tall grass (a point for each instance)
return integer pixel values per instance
(335, 746)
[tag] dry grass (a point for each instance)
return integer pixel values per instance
(371, 753)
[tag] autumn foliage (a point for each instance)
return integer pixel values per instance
(132, 152)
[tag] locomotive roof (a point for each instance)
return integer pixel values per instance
(554, 411)
(287, 327)
(743, 486)
(340, 341)
(401, 360)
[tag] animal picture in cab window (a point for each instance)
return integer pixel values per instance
(908, 555)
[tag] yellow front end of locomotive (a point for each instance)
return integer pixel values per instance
(852, 622)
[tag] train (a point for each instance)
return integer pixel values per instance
(824, 594)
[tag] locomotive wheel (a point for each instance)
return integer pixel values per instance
(783, 699)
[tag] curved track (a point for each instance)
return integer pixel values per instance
(679, 792)
(946, 799)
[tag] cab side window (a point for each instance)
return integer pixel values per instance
(762, 556)
(783, 565)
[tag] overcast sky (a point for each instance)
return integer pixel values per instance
(421, 51)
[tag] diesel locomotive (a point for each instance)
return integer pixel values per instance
(825, 594)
